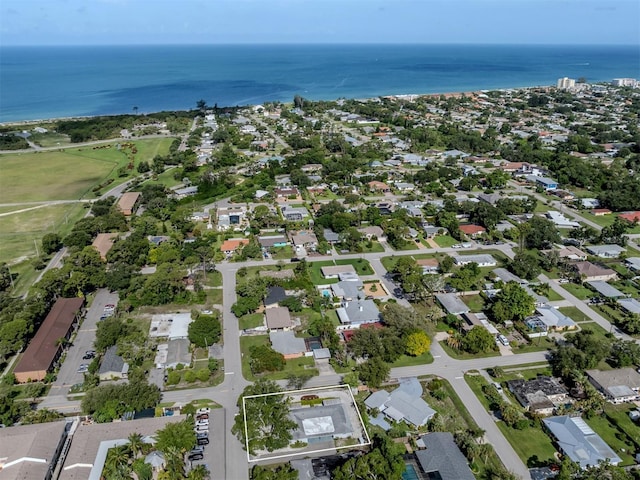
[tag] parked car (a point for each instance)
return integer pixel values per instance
(202, 423)
(202, 438)
(197, 453)
(498, 386)
(83, 368)
(201, 429)
(503, 340)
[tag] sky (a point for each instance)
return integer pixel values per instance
(132, 22)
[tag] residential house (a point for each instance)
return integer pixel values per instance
(405, 403)
(506, 276)
(128, 203)
(617, 386)
(553, 319)
(540, 395)
(103, 243)
(483, 260)
(544, 182)
(358, 312)
(606, 290)
(570, 253)
(305, 239)
(560, 221)
(429, 265)
(452, 303)
(229, 247)
(633, 263)
(591, 272)
(606, 251)
(185, 192)
(348, 291)
(273, 241)
(441, 459)
(333, 271)
(379, 186)
(286, 192)
(579, 442)
(231, 218)
(275, 295)
(330, 236)
(294, 214)
(472, 230)
(630, 305)
(113, 366)
(286, 343)
(278, 318)
(631, 216)
(600, 212)
(372, 233)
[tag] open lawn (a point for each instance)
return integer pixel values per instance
(361, 265)
(578, 291)
(574, 314)
(408, 361)
(529, 443)
(616, 438)
(445, 240)
(19, 231)
(298, 366)
(474, 302)
(50, 139)
(67, 174)
(166, 178)
(282, 253)
(251, 320)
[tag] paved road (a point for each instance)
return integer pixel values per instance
(68, 374)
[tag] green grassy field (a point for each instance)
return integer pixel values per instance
(445, 240)
(19, 231)
(66, 174)
(578, 291)
(574, 314)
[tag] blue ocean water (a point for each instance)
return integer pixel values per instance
(47, 82)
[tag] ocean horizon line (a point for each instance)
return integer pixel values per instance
(323, 44)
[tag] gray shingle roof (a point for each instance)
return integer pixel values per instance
(442, 455)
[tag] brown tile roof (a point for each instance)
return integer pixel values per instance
(472, 229)
(233, 244)
(42, 350)
(103, 243)
(128, 201)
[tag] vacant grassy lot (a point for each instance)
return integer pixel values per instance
(66, 174)
(445, 240)
(575, 314)
(578, 291)
(528, 443)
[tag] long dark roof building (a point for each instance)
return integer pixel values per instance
(44, 349)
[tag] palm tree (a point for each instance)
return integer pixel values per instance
(117, 462)
(136, 444)
(199, 472)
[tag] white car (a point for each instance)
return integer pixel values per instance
(202, 423)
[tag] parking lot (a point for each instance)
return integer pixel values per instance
(68, 374)
(214, 452)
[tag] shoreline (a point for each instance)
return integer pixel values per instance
(400, 96)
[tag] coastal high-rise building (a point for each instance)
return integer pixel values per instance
(565, 83)
(625, 82)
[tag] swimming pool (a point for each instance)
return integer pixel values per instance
(410, 473)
